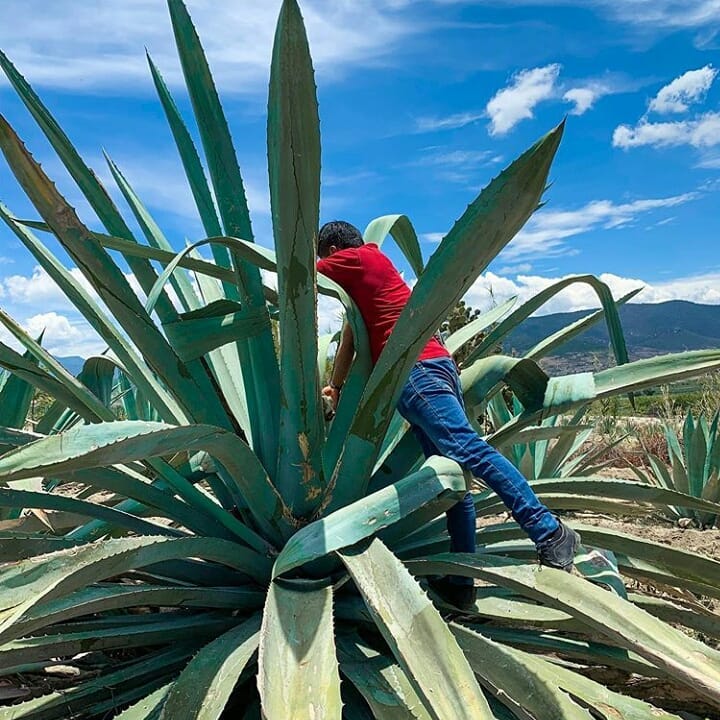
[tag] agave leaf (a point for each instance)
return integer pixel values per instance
(204, 687)
(609, 615)
(68, 390)
(48, 501)
(194, 334)
(85, 178)
(193, 391)
(550, 343)
(513, 683)
(617, 338)
(495, 216)
(91, 446)
(115, 596)
(611, 705)
(636, 557)
(262, 378)
(223, 361)
(583, 651)
(416, 633)
(58, 705)
(294, 170)
(226, 362)
(129, 484)
(180, 281)
(324, 343)
(18, 545)
(403, 232)
(298, 672)
(16, 397)
(500, 605)
(569, 392)
(693, 616)
(25, 586)
(381, 682)
(148, 708)
(457, 340)
(372, 514)
(192, 629)
(588, 489)
(486, 375)
(193, 170)
(135, 366)
(696, 452)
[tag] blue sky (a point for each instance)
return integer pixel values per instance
(421, 103)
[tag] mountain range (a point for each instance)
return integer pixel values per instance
(650, 329)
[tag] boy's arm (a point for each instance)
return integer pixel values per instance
(341, 365)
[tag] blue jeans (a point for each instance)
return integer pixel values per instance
(432, 403)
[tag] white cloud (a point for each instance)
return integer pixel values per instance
(546, 232)
(517, 101)
(40, 290)
(700, 132)
(449, 122)
(691, 87)
(492, 288)
(515, 269)
(432, 237)
(100, 45)
(63, 336)
(584, 97)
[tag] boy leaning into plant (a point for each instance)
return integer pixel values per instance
(431, 401)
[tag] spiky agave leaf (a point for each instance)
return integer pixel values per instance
(225, 527)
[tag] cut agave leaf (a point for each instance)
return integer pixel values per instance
(416, 633)
(298, 673)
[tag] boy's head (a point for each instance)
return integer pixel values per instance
(337, 235)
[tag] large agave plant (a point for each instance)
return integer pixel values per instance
(285, 554)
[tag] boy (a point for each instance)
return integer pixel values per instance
(431, 401)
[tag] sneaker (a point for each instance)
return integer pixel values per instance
(559, 551)
(460, 596)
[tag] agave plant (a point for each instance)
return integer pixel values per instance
(694, 467)
(284, 556)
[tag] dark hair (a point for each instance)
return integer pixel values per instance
(339, 233)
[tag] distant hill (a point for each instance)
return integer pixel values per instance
(72, 364)
(650, 329)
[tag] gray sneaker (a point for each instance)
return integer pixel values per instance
(559, 551)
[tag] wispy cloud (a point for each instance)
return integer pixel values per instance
(547, 231)
(448, 122)
(459, 166)
(100, 46)
(518, 99)
(689, 88)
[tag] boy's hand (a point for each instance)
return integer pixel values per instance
(330, 396)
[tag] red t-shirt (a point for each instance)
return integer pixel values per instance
(372, 281)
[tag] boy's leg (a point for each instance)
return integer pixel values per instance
(431, 402)
(461, 517)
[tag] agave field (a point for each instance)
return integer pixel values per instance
(224, 551)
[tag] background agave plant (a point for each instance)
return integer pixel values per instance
(284, 553)
(694, 466)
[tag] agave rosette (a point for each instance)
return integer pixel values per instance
(287, 554)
